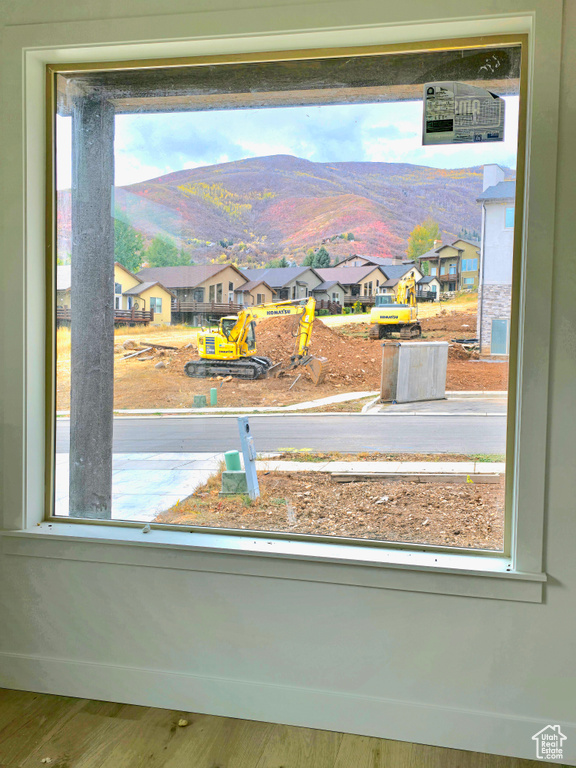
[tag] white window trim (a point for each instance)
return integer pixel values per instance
(23, 467)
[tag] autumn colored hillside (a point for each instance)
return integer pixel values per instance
(268, 206)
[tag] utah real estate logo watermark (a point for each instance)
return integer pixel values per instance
(549, 743)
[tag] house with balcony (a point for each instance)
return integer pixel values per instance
(360, 283)
(136, 301)
(200, 291)
(455, 265)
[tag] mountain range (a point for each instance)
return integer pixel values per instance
(259, 208)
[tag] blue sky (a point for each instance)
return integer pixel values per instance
(147, 146)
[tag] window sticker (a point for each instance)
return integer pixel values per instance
(456, 113)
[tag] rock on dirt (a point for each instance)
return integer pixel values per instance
(130, 344)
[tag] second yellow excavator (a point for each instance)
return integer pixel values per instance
(230, 350)
(396, 314)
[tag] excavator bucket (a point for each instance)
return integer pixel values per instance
(317, 367)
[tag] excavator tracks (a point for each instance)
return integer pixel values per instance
(248, 368)
(405, 331)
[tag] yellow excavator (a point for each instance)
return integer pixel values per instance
(230, 350)
(396, 314)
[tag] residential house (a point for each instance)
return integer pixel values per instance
(254, 292)
(397, 272)
(287, 282)
(427, 285)
(359, 282)
(469, 262)
(130, 293)
(494, 294)
(455, 265)
(195, 287)
(331, 291)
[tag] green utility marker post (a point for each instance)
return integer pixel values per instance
(199, 401)
(213, 396)
(232, 459)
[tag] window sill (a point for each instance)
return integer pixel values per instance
(473, 575)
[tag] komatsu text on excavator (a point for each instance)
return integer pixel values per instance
(230, 350)
(396, 315)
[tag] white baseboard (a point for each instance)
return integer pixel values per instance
(494, 733)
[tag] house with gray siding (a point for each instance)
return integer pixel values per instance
(287, 282)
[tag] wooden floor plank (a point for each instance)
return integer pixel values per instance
(365, 752)
(290, 747)
(205, 742)
(37, 723)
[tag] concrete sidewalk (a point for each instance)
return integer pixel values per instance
(145, 484)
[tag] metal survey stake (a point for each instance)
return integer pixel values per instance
(249, 454)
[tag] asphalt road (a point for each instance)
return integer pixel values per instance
(349, 434)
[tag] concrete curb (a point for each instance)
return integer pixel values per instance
(279, 410)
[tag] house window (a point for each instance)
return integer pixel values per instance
(117, 302)
(443, 269)
(130, 300)
(468, 281)
(235, 78)
(433, 271)
(469, 265)
(335, 297)
(117, 288)
(230, 286)
(155, 304)
(509, 224)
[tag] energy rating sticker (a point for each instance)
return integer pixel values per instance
(456, 113)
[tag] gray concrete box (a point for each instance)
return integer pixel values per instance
(413, 371)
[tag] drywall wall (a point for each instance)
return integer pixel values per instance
(467, 673)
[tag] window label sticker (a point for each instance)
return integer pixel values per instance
(457, 113)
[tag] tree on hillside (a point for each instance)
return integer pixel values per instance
(164, 253)
(309, 258)
(422, 238)
(321, 258)
(279, 262)
(128, 245)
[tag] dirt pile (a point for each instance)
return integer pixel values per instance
(458, 324)
(348, 361)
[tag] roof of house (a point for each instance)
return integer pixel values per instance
(251, 284)
(327, 285)
(504, 190)
(63, 277)
(390, 283)
(380, 261)
(348, 275)
(398, 270)
(141, 287)
(277, 277)
(427, 279)
(183, 277)
(435, 252)
(475, 243)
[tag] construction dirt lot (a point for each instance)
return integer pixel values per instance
(449, 514)
(354, 363)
